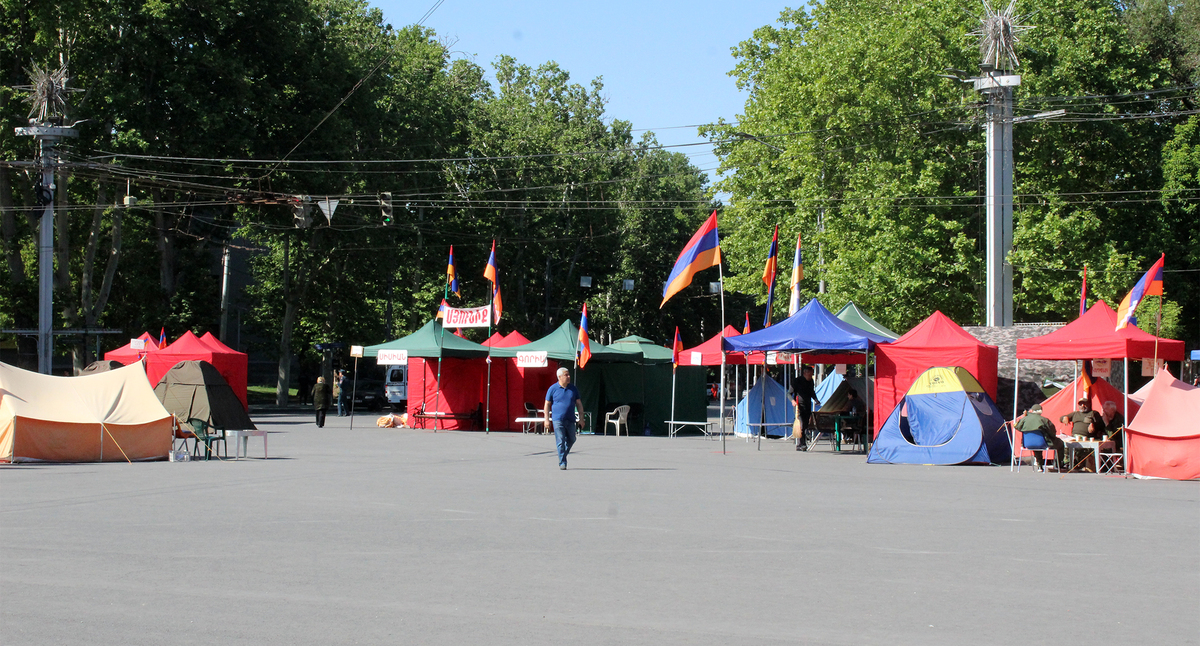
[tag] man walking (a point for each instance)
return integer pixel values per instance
(562, 402)
(805, 393)
(343, 395)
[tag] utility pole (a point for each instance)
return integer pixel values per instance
(48, 96)
(225, 295)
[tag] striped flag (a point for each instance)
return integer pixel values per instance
(676, 347)
(489, 273)
(1151, 284)
(584, 352)
(452, 275)
(1083, 293)
(768, 276)
(797, 276)
(746, 327)
(701, 252)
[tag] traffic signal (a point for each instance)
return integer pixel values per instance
(385, 207)
(302, 211)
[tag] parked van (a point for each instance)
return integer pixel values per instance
(395, 386)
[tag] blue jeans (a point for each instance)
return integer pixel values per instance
(564, 438)
(343, 406)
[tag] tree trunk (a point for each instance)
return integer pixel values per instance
(92, 300)
(164, 225)
(62, 270)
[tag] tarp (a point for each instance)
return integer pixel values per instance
(196, 390)
(104, 417)
(709, 352)
(1094, 336)
(230, 363)
(854, 316)
(812, 329)
(127, 355)
(1163, 440)
(779, 410)
(936, 341)
(430, 342)
(944, 418)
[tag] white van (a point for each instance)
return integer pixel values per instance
(395, 385)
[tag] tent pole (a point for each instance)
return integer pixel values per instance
(1075, 383)
(762, 406)
(437, 397)
(1125, 413)
(671, 427)
(1016, 388)
(487, 407)
(867, 428)
(721, 274)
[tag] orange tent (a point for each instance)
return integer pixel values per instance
(1164, 438)
(108, 416)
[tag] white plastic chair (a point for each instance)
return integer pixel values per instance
(617, 418)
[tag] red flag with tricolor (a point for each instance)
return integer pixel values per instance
(441, 310)
(676, 347)
(162, 338)
(452, 275)
(746, 327)
(489, 273)
(1151, 284)
(584, 351)
(1083, 293)
(701, 252)
(797, 276)
(769, 272)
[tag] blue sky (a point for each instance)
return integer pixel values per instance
(664, 63)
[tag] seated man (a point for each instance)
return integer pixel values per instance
(856, 411)
(1034, 423)
(1114, 422)
(1085, 421)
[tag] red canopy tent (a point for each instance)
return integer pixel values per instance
(936, 341)
(522, 385)
(230, 363)
(463, 390)
(1164, 437)
(709, 352)
(127, 355)
(493, 340)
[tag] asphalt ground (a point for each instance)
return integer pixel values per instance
(394, 536)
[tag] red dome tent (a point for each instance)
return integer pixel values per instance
(936, 341)
(520, 385)
(230, 363)
(1163, 440)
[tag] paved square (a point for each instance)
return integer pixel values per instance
(393, 536)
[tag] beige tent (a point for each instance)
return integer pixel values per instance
(104, 417)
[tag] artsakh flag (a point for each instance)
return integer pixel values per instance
(1151, 284)
(701, 252)
(452, 275)
(584, 351)
(489, 273)
(769, 275)
(676, 347)
(746, 327)
(797, 276)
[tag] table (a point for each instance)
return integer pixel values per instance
(1095, 446)
(839, 421)
(673, 426)
(532, 424)
(244, 437)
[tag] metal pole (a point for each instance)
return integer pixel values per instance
(762, 402)
(997, 88)
(1125, 413)
(487, 408)
(721, 273)
(46, 261)
(671, 431)
(225, 296)
(353, 393)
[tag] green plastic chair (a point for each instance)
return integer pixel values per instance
(208, 435)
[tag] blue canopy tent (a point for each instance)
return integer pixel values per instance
(768, 394)
(827, 387)
(816, 335)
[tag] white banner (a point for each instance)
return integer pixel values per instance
(1102, 368)
(1150, 367)
(473, 317)
(392, 358)
(531, 360)
(137, 344)
(697, 359)
(356, 351)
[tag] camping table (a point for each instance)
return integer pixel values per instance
(674, 426)
(242, 438)
(532, 424)
(436, 415)
(1095, 446)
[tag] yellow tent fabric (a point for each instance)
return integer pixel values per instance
(945, 380)
(103, 417)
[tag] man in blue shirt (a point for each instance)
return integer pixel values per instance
(562, 402)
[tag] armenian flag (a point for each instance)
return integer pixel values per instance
(441, 310)
(584, 351)
(1083, 293)
(769, 275)
(701, 252)
(489, 273)
(162, 338)
(1151, 284)
(676, 347)
(746, 327)
(452, 275)
(797, 276)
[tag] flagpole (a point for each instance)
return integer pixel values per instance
(487, 408)
(437, 398)
(672, 426)
(721, 274)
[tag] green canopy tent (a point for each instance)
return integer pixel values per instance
(658, 383)
(458, 397)
(610, 371)
(854, 316)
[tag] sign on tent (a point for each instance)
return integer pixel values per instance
(532, 359)
(392, 358)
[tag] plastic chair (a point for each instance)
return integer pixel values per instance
(532, 427)
(209, 436)
(617, 418)
(1035, 442)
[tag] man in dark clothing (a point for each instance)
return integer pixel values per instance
(1034, 423)
(806, 392)
(1085, 421)
(343, 400)
(306, 384)
(320, 399)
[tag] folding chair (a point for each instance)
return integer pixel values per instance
(1031, 442)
